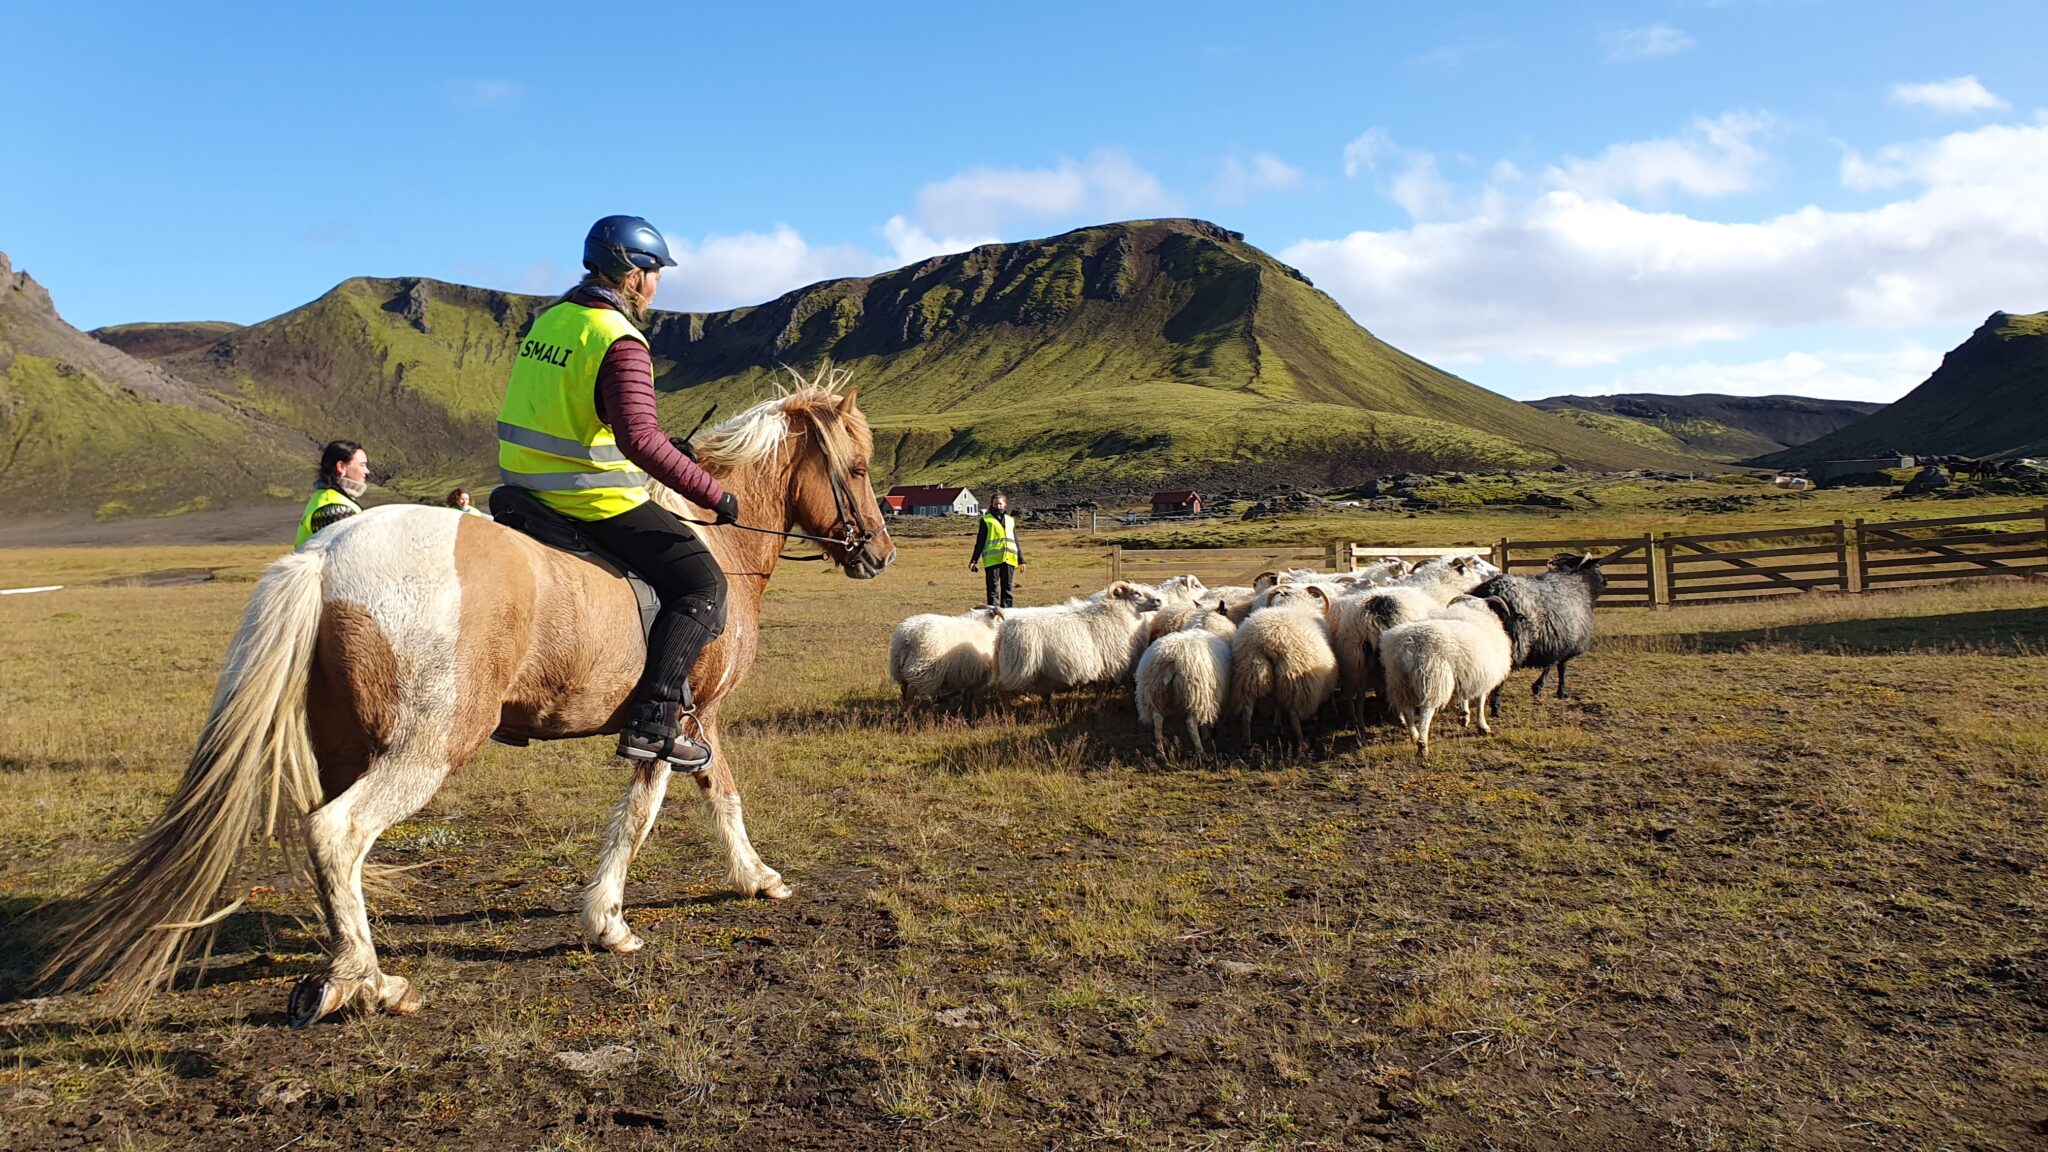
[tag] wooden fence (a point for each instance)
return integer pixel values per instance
(1628, 561)
(1955, 548)
(1659, 571)
(1218, 565)
(1751, 564)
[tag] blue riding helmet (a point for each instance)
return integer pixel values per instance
(618, 244)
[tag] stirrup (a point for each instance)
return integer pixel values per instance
(666, 743)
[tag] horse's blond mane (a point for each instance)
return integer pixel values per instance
(760, 432)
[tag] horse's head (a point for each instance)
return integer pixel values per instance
(829, 491)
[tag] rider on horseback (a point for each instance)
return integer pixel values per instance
(578, 429)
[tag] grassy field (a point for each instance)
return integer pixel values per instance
(1772, 879)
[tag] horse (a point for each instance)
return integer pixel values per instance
(377, 659)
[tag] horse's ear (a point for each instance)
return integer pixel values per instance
(846, 401)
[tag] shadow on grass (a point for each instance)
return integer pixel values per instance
(26, 927)
(1082, 730)
(1997, 632)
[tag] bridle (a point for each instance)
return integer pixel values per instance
(853, 535)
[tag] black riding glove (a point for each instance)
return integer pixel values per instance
(728, 509)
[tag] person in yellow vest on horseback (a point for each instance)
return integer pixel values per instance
(578, 430)
(996, 551)
(344, 477)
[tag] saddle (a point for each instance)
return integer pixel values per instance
(522, 511)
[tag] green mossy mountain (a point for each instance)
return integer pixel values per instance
(1114, 356)
(1709, 425)
(1989, 397)
(85, 427)
(1101, 360)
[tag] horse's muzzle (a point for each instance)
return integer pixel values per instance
(867, 563)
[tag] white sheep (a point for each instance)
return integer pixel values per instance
(1281, 656)
(1184, 675)
(1459, 656)
(1362, 614)
(1072, 645)
(932, 656)
(1377, 574)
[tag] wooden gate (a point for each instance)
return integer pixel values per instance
(1627, 561)
(1765, 563)
(1951, 548)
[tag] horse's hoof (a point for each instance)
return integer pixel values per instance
(312, 998)
(631, 942)
(777, 890)
(408, 1003)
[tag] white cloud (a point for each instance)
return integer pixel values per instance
(980, 201)
(952, 215)
(1828, 374)
(1365, 153)
(912, 244)
(1421, 190)
(1710, 158)
(722, 272)
(1417, 185)
(485, 93)
(1574, 278)
(1238, 180)
(1962, 94)
(1642, 43)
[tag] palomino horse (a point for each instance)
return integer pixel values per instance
(378, 659)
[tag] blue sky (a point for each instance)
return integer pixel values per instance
(1800, 196)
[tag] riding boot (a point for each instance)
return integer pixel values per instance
(661, 701)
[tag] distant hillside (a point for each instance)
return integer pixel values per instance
(1709, 425)
(87, 428)
(1989, 397)
(1122, 354)
(154, 340)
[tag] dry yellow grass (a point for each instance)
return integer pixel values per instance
(1772, 879)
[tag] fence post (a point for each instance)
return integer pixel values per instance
(1336, 555)
(1650, 567)
(1116, 563)
(1841, 556)
(1862, 558)
(1501, 551)
(1670, 573)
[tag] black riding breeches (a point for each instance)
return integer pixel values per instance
(663, 551)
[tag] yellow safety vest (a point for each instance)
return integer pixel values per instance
(1001, 545)
(322, 497)
(550, 439)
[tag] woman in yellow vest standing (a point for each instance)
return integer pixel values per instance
(996, 551)
(344, 477)
(578, 430)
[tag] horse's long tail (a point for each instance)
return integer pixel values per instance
(254, 758)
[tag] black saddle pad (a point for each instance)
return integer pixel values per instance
(522, 511)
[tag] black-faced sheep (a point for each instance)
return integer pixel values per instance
(1551, 615)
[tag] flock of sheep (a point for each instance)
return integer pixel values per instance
(1422, 639)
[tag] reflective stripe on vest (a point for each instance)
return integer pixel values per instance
(550, 438)
(1001, 547)
(322, 497)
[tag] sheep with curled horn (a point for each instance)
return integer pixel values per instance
(1551, 617)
